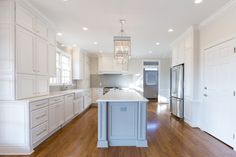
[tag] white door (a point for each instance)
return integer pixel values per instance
(42, 85)
(69, 107)
(25, 47)
(51, 60)
(42, 57)
(25, 86)
(219, 96)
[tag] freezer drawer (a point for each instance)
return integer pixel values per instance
(177, 107)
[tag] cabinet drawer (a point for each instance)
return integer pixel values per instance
(39, 116)
(70, 96)
(38, 104)
(39, 132)
(56, 100)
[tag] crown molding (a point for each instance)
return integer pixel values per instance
(217, 13)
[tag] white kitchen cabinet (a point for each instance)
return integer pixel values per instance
(107, 64)
(69, 107)
(42, 83)
(87, 99)
(25, 86)
(41, 28)
(31, 85)
(41, 57)
(24, 17)
(51, 60)
(86, 67)
(51, 35)
(78, 65)
(25, 53)
(96, 94)
(78, 105)
(56, 113)
(31, 59)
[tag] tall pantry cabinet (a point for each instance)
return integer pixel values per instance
(27, 51)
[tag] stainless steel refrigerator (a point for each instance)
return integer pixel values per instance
(177, 91)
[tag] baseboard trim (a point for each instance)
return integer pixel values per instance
(11, 150)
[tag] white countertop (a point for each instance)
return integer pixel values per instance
(54, 94)
(126, 95)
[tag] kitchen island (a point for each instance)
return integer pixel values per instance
(122, 119)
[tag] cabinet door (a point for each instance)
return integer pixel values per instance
(78, 65)
(42, 57)
(53, 117)
(24, 17)
(78, 106)
(51, 60)
(25, 47)
(69, 106)
(42, 85)
(25, 86)
(41, 28)
(51, 36)
(56, 115)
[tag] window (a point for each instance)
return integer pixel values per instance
(63, 68)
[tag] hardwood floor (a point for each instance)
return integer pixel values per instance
(167, 137)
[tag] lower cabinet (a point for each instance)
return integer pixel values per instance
(56, 113)
(69, 107)
(87, 99)
(78, 105)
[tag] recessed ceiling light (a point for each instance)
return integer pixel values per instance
(62, 45)
(171, 30)
(150, 52)
(85, 28)
(65, 0)
(59, 34)
(157, 43)
(95, 43)
(198, 1)
(74, 45)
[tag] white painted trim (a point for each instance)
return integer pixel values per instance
(218, 42)
(102, 144)
(11, 150)
(217, 13)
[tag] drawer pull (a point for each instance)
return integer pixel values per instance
(38, 134)
(41, 104)
(40, 116)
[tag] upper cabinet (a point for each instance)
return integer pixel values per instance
(24, 17)
(29, 46)
(78, 64)
(108, 65)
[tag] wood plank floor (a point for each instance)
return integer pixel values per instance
(167, 137)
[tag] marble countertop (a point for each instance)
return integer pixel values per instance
(125, 95)
(54, 94)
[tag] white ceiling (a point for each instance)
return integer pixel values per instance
(147, 22)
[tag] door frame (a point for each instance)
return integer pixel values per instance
(159, 74)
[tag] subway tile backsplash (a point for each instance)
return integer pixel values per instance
(97, 81)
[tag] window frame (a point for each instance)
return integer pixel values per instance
(59, 67)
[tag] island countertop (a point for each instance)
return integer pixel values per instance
(126, 95)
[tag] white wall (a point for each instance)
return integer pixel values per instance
(219, 27)
(136, 68)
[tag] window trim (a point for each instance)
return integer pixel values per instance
(62, 53)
